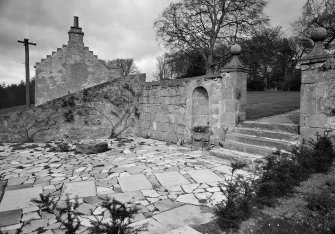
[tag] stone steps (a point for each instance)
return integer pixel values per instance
(247, 148)
(255, 140)
(267, 134)
(282, 127)
(261, 141)
(233, 155)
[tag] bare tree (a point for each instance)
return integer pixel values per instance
(126, 66)
(164, 70)
(201, 25)
(317, 13)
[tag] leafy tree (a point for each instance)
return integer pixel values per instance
(15, 94)
(126, 66)
(272, 59)
(203, 25)
(317, 13)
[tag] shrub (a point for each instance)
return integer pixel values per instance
(279, 177)
(67, 215)
(200, 129)
(120, 219)
(281, 174)
(239, 192)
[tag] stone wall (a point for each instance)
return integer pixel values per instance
(95, 112)
(70, 69)
(317, 103)
(171, 108)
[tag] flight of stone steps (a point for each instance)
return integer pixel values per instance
(253, 140)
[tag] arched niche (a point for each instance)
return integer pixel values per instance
(200, 107)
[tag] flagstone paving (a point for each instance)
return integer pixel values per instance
(174, 187)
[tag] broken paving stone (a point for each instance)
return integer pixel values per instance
(104, 190)
(134, 182)
(126, 197)
(204, 176)
(16, 180)
(30, 216)
(11, 228)
(150, 193)
(18, 199)
(188, 188)
(171, 178)
(11, 217)
(92, 200)
(86, 208)
(152, 226)
(33, 225)
(184, 215)
(79, 189)
(216, 198)
(165, 205)
(188, 199)
(184, 230)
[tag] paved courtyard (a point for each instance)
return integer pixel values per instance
(173, 186)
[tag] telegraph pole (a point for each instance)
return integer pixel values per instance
(26, 47)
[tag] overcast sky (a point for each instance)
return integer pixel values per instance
(113, 29)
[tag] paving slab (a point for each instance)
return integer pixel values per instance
(184, 230)
(134, 182)
(79, 189)
(10, 217)
(167, 204)
(171, 178)
(152, 226)
(126, 197)
(184, 215)
(204, 176)
(18, 199)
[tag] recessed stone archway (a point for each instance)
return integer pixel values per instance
(200, 107)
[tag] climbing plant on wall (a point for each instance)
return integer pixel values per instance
(116, 106)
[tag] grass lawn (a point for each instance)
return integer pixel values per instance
(13, 108)
(267, 103)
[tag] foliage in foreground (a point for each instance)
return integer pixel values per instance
(67, 214)
(278, 177)
(239, 192)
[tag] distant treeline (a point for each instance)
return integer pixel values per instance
(15, 94)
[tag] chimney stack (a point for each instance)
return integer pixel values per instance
(75, 34)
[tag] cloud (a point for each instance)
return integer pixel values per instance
(113, 29)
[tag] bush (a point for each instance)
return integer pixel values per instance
(67, 214)
(239, 192)
(120, 219)
(281, 174)
(279, 177)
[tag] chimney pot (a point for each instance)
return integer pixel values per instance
(76, 22)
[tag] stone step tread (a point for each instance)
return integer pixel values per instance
(249, 148)
(233, 155)
(289, 134)
(249, 145)
(269, 123)
(264, 138)
(277, 127)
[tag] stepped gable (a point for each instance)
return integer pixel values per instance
(71, 68)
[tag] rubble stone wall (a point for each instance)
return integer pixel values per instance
(89, 113)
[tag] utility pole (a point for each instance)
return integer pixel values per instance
(26, 47)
